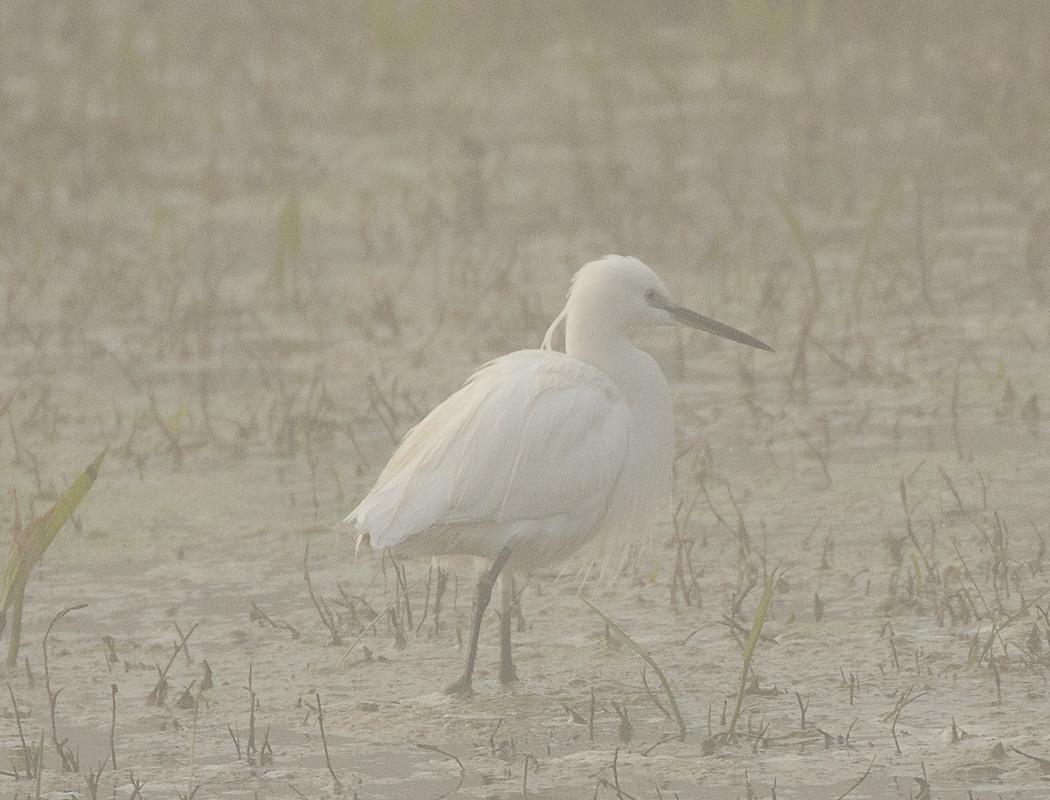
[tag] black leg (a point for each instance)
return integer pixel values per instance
(442, 582)
(507, 673)
(481, 601)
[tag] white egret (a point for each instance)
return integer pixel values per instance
(543, 452)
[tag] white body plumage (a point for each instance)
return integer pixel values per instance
(542, 451)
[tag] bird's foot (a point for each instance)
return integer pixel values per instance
(507, 674)
(461, 687)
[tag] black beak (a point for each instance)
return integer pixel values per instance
(700, 322)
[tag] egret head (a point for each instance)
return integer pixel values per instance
(626, 289)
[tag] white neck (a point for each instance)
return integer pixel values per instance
(603, 342)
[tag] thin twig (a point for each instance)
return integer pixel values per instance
(324, 743)
(113, 727)
(659, 742)
(368, 627)
(322, 608)
(255, 614)
(859, 780)
(462, 769)
(156, 696)
(249, 747)
(193, 738)
(69, 760)
(21, 735)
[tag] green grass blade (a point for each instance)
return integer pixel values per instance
(751, 644)
(28, 546)
(67, 503)
(648, 660)
(14, 640)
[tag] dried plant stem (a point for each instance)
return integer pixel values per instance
(249, 747)
(902, 702)
(375, 619)
(21, 735)
(190, 790)
(323, 611)
(859, 780)
(156, 696)
(69, 760)
(113, 727)
(39, 763)
(324, 744)
(648, 660)
(462, 769)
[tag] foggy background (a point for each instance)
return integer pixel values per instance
(247, 245)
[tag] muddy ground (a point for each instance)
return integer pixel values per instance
(247, 245)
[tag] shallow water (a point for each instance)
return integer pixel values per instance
(306, 235)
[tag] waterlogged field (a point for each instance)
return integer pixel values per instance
(246, 246)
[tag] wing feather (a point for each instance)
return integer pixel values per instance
(532, 444)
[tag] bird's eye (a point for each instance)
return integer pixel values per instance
(650, 295)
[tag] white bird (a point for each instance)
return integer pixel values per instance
(543, 452)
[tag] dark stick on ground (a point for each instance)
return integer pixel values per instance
(462, 769)
(113, 727)
(323, 611)
(136, 786)
(70, 760)
(249, 748)
(256, 614)
(324, 743)
(21, 734)
(156, 697)
(859, 780)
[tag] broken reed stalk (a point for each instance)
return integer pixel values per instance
(324, 742)
(590, 717)
(462, 769)
(751, 644)
(70, 760)
(525, 777)
(256, 614)
(323, 611)
(190, 790)
(39, 768)
(648, 660)
(21, 735)
(113, 728)
(375, 619)
(249, 747)
(156, 697)
(999, 627)
(902, 702)
(859, 780)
